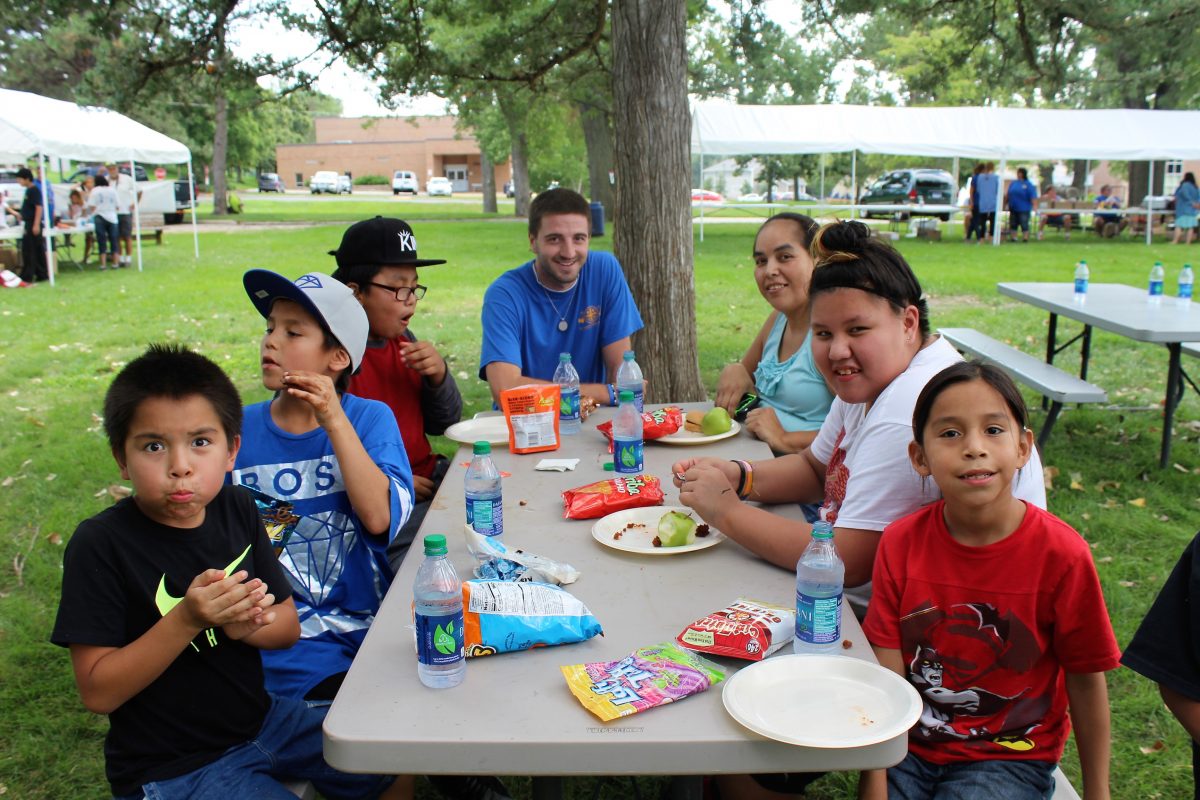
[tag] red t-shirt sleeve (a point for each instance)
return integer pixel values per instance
(1083, 635)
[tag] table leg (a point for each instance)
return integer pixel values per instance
(687, 787)
(1051, 337)
(547, 787)
(1085, 351)
(1174, 390)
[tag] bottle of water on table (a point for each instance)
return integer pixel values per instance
(1154, 292)
(629, 378)
(627, 435)
(820, 576)
(485, 507)
(438, 615)
(1081, 281)
(568, 395)
(1186, 278)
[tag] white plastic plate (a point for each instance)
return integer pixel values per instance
(480, 429)
(686, 437)
(639, 538)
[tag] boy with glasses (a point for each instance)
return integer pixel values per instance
(378, 260)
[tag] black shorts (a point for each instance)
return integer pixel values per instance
(124, 225)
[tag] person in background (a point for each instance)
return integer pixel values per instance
(75, 209)
(972, 214)
(566, 300)
(377, 259)
(1062, 221)
(33, 243)
(1108, 225)
(102, 206)
(778, 365)
(987, 184)
(991, 608)
(86, 184)
(1187, 201)
(1022, 200)
(126, 189)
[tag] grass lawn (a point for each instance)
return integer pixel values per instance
(258, 207)
(59, 348)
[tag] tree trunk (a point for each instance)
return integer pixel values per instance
(597, 137)
(1079, 175)
(520, 170)
(653, 222)
(221, 124)
(1138, 178)
(489, 182)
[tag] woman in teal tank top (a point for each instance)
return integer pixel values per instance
(778, 366)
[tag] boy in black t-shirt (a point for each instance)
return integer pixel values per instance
(168, 595)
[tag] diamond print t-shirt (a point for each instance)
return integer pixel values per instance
(338, 571)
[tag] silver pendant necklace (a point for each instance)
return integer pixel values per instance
(563, 325)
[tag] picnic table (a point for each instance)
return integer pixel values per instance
(513, 714)
(1125, 311)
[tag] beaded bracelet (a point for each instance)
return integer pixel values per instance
(746, 479)
(612, 394)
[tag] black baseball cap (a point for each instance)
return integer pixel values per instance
(382, 241)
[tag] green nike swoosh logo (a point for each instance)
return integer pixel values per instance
(165, 601)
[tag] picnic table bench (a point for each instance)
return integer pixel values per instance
(152, 226)
(1057, 386)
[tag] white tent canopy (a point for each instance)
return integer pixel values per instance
(33, 125)
(720, 128)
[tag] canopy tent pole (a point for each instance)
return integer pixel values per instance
(1149, 210)
(822, 197)
(43, 182)
(955, 173)
(192, 198)
(999, 202)
(853, 184)
(137, 215)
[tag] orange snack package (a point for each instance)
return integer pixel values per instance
(531, 412)
(616, 494)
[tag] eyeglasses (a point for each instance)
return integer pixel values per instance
(403, 293)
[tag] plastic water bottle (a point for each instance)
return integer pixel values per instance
(627, 434)
(1155, 292)
(820, 576)
(485, 509)
(438, 615)
(1186, 278)
(568, 395)
(1081, 281)
(629, 378)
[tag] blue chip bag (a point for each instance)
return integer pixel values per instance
(502, 616)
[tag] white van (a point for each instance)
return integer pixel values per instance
(403, 181)
(324, 181)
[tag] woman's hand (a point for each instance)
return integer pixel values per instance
(734, 382)
(764, 424)
(707, 490)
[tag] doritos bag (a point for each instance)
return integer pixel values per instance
(602, 498)
(655, 424)
(531, 412)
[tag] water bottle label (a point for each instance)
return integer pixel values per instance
(1156, 288)
(439, 639)
(568, 405)
(627, 455)
(1081, 285)
(818, 619)
(486, 516)
(1185, 291)
(637, 398)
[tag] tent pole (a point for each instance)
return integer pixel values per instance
(192, 198)
(1149, 210)
(137, 213)
(999, 202)
(853, 184)
(956, 172)
(43, 181)
(822, 197)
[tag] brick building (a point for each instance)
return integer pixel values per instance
(426, 146)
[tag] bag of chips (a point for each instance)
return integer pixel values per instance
(500, 617)
(655, 424)
(602, 498)
(649, 677)
(745, 628)
(495, 561)
(531, 412)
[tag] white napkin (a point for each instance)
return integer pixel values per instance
(557, 464)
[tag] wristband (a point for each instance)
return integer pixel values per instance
(612, 394)
(746, 483)
(741, 465)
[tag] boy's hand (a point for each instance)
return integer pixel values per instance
(261, 615)
(213, 600)
(425, 359)
(423, 487)
(316, 390)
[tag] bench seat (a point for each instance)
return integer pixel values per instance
(152, 227)
(1051, 382)
(1190, 349)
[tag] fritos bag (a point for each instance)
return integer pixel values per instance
(745, 628)
(501, 617)
(617, 494)
(531, 412)
(655, 424)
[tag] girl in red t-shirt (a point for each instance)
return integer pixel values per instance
(991, 608)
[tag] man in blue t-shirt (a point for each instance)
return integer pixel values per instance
(566, 300)
(1102, 222)
(1021, 199)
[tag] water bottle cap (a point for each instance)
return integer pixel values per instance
(628, 355)
(564, 358)
(822, 530)
(435, 545)
(483, 448)
(625, 396)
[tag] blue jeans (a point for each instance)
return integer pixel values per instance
(917, 779)
(288, 747)
(106, 236)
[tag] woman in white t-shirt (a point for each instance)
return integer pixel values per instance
(102, 201)
(871, 341)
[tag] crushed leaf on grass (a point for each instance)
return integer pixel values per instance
(1140, 502)
(1157, 747)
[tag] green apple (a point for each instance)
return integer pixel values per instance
(716, 421)
(676, 529)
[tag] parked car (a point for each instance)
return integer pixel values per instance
(80, 173)
(404, 181)
(323, 181)
(439, 187)
(509, 189)
(912, 187)
(705, 196)
(750, 197)
(344, 184)
(270, 182)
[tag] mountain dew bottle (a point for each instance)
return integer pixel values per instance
(438, 615)
(627, 435)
